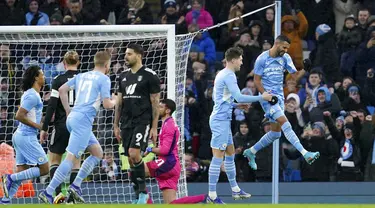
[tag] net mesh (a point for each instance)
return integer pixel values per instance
(109, 182)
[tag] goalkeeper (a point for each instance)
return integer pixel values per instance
(166, 169)
(269, 74)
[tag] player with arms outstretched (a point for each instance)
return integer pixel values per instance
(137, 107)
(60, 136)
(166, 169)
(269, 74)
(31, 159)
(91, 88)
(225, 92)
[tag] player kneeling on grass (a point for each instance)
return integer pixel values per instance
(166, 169)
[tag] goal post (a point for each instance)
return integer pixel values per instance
(165, 53)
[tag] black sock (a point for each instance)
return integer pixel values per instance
(52, 171)
(73, 175)
(139, 170)
(133, 179)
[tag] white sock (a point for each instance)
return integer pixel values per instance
(303, 152)
(236, 189)
(253, 150)
(212, 195)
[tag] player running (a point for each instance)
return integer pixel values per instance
(225, 92)
(269, 74)
(91, 88)
(137, 107)
(166, 169)
(60, 135)
(31, 159)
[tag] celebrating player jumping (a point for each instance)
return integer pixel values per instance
(137, 107)
(269, 75)
(225, 92)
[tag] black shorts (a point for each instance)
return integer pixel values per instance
(136, 137)
(59, 139)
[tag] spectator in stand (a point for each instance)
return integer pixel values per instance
(366, 142)
(369, 88)
(256, 33)
(56, 19)
(317, 12)
(73, 16)
(341, 89)
(205, 44)
(51, 7)
(342, 9)
(269, 22)
(12, 13)
(82, 12)
(198, 15)
(264, 157)
(315, 80)
(365, 56)
(325, 102)
(325, 55)
(291, 85)
(363, 15)
(315, 139)
(370, 4)
(9, 70)
(231, 32)
(34, 16)
(108, 170)
(294, 113)
(354, 101)
(172, 16)
(295, 28)
(243, 140)
(136, 12)
(6, 124)
(347, 41)
(350, 157)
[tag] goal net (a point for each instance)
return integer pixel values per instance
(45, 46)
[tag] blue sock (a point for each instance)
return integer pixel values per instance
(12, 191)
(265, 141)
(87, 167)
(230, 169)
(26, 174)
(213, 176)
(292, 137)
(60, 175)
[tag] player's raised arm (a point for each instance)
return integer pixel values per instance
(27, 104)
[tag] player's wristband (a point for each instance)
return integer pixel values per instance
(149, 149)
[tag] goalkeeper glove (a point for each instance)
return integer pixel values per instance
(148, 150)
(307, 65)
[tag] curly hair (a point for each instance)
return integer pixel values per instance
(29, 76)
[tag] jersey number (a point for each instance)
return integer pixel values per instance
(85, 86)
(159, 162)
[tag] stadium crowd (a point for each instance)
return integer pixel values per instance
(331, 108)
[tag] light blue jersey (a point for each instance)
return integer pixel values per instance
(272, 72)
(31, 102)
(25, 141)
(225, 92)
(90, 88)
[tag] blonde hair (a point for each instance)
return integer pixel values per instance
(102, 58)
(233, 14)
(71, 58)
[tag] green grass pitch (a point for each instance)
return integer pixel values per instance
(200, 205)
